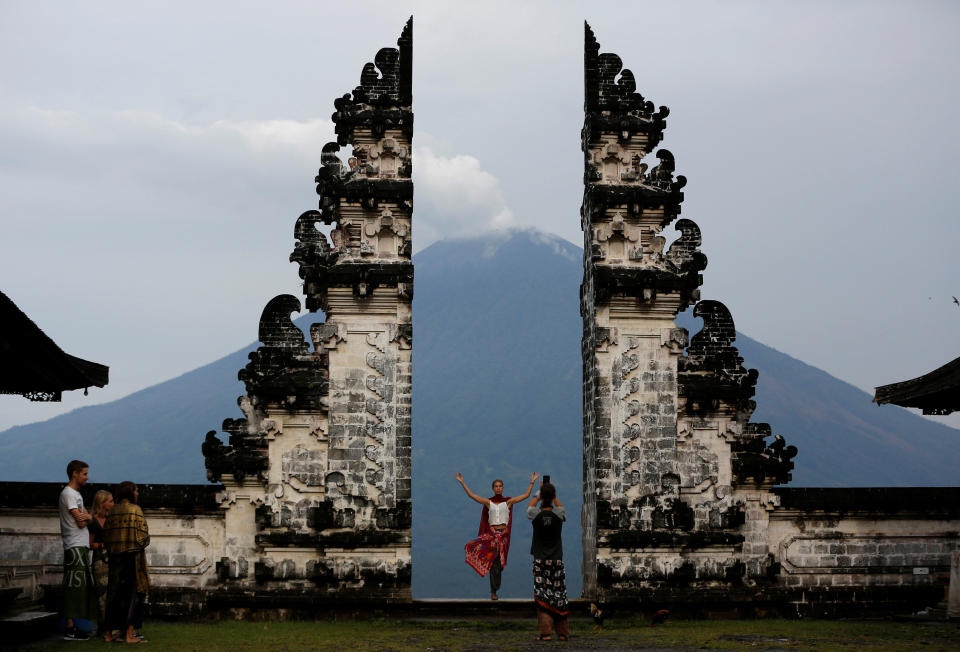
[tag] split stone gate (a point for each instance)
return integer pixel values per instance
(312, 496)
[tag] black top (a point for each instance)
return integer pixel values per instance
(94, 528)
(547, 528)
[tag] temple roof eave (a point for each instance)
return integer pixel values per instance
(936, 392)
(31, 363)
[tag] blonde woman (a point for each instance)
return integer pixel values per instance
(102, 504)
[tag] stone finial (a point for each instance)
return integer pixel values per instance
(277, 330)
(684, 252)
(611, 96)
(283, 371)
(384, 96)
(756, 461)
(711, 349)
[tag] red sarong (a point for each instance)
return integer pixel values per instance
(484, 549)
(486, 529)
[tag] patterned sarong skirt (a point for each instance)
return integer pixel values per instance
(483, 550)
(550, 586)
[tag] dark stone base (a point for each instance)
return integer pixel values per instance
(818, 602)
(238, 604)
(717, 603)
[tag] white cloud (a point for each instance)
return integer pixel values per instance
(90, 200)
(455, 196)
(167, 226)
(248, 161)
(270, 134)
(66, 130)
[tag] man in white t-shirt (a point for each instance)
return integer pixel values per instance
(79, 598)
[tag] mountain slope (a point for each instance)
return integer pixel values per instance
(496, 394)
(846, 440)
(153, 435)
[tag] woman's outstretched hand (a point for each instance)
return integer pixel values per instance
(533, 477)
(459, 477)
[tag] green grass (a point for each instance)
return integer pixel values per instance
(370, 635)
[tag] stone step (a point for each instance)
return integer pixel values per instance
(8, 596)
(27, 626)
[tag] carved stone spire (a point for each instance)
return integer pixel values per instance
(669, 453)
(368, 197)
(324, 453)
(384, 96)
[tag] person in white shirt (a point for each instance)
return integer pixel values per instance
(488, 552)
(79, 596)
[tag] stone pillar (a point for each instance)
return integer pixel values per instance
(317, 474)
(364, 284)
(676, 479)
(632, 290)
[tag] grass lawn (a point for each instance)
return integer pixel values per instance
(368, 635)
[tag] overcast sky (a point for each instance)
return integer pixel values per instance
(154, 158)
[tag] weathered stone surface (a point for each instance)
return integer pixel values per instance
(635, 461)
(679, 498)
(317, 474)
(186, 528)
(953, 594)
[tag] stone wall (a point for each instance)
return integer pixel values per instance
(845, 550)
(187, 536)
(195, 531)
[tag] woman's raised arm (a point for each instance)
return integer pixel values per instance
(482, 501)
(519, 499)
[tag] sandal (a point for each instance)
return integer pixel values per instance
(544, 637)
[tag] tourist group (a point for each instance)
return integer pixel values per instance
(105, 577)
(106, 580)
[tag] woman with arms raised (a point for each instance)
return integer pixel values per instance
(488, 552)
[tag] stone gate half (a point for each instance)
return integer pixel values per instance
(679, 496)
(316, 476)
